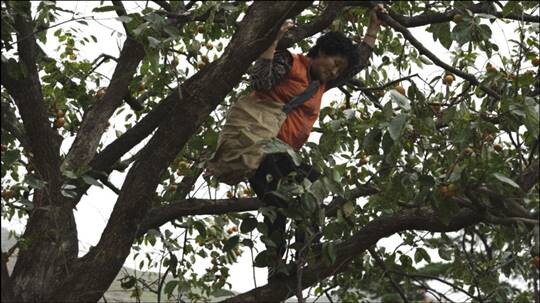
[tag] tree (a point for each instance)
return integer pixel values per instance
(457, 156)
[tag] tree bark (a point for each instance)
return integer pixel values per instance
(93, 273)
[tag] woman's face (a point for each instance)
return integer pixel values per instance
(326, 68)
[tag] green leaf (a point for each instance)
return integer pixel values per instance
(106, 8)
(421, 254)
(231, 243)
(170, 286)
(124, 19)
(441, 32)
(405, 260)
(9, 157)
(222, 293)
(506, 180)
(456, 173)
(248, 224)
(91, 181)
(262, 259)
(402, 101)
(329, 252)
(34, 182)
(445, 254)
(396, 126)
(154, 43)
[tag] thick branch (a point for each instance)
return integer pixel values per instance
(160, 215)
(95, 121)
(121, 11)
(200, 96)
(8, 295)
(318, 24)
(25, 89)
(423, 219)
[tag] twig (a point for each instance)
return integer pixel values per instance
(423, 50)
(381, 264)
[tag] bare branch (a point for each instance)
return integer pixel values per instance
(121, 11)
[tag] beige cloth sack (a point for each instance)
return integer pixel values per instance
(251, 125)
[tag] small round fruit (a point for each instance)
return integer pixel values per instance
(200, 29)
(183, 165)
(59, 114)
(141, 87)
(457, 18)
(209, 45)
(363, 161)
(448, 79)
(100, 93)
(436, 107)
(490, 68)
(59, 122)
(173, 188)
(443, 190)
(7, 194)
(230, 195)
(229, 231)
(536, 261)
(498, 147)
(535, 61)
(400, 89)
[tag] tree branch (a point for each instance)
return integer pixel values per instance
(423, 219)
(190, 207)
(200, 96)
(8, 295)
(447, 16)
(423, 50)
(318, 24)
(95, 121)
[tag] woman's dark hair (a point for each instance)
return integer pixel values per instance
(335, 43)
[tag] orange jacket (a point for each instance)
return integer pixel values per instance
(299, 123)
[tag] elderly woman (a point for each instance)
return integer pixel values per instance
(280, 75)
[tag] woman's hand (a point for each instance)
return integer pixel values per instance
(374, 21)
(284, 28)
